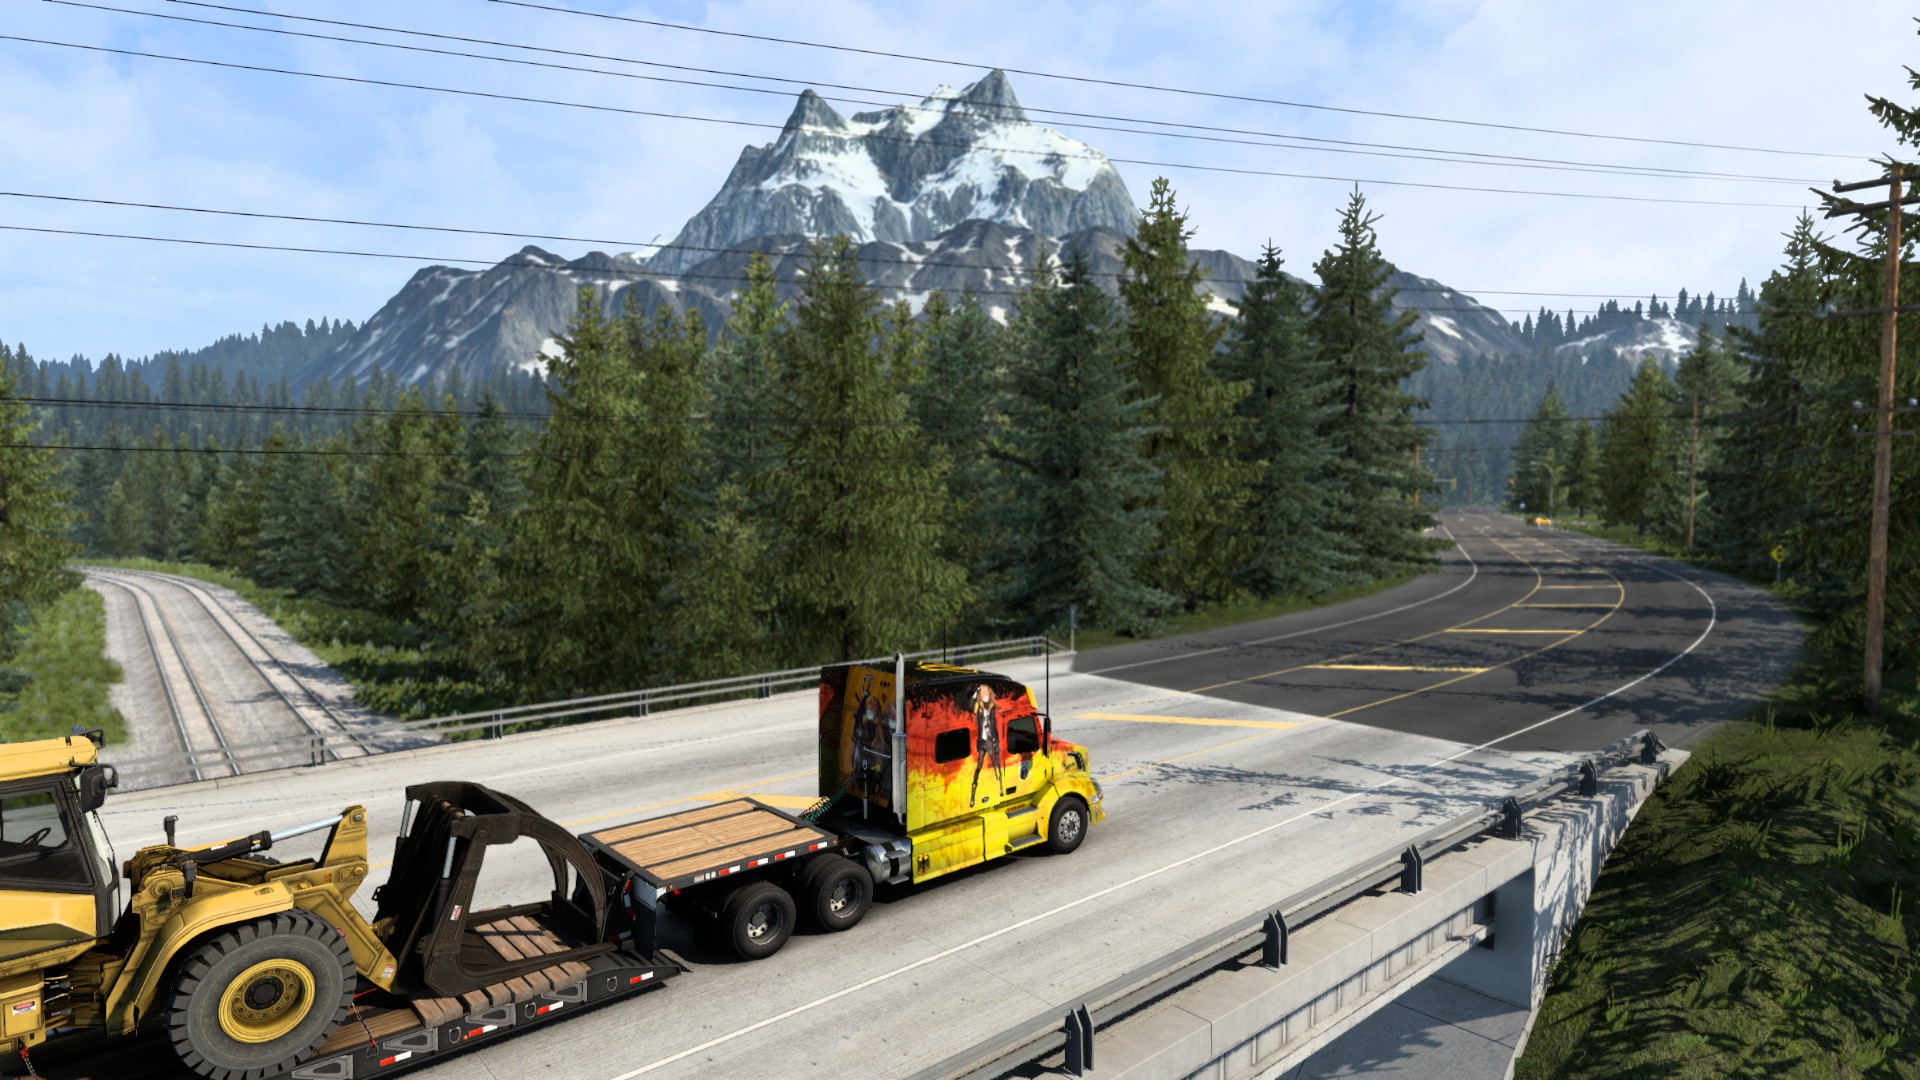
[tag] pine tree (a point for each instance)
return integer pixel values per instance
(1636, 447)
(1766, 478)
(302, 544)
(608, 495)
(1541, 458)
(743, 387)
(1286, 530)
(1079, 521)
(392, 498)
(959, 404)
(1370, 350)
(1583, 470)
(862, 496)
(34, 519)
(1171, 332)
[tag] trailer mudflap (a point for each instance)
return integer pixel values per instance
(614, 975)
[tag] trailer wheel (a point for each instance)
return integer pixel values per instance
(835, 892)
(756, 920)
(1067, 825)
(258, 998)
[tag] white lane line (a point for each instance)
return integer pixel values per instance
(1312, 629)
(1712, 619)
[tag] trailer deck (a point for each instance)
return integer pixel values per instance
(700, 845)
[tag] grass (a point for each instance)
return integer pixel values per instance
(63, 657)
(1214, 616)
(1760, 918)
(381, 657)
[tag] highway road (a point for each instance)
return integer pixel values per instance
(1239, 765)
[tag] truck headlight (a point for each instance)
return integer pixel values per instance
(1098, 794)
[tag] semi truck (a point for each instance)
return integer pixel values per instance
(924, 769)
(251, 968)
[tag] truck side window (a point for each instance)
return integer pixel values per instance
(1023, 735)
(955, 745)
(34, 845)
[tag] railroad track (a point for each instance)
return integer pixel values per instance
(304, 704)
(197, 718)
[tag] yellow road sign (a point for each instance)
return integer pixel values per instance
(1779, 553)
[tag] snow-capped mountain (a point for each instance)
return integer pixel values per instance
(1665, 339)
(958, 192)
(908, 173)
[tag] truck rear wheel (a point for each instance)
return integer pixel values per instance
(835, 892)
(1067, 825)
(258, 998)
(756, 920)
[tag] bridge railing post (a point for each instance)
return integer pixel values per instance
(1079, 1042)
(1650, 747)
(1273, 950)
(1589, 779)
(1510, 819)
(1410, 870)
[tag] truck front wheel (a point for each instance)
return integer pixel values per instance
(1067, 825)
(756, 920)
(258, 998)
(836, 892)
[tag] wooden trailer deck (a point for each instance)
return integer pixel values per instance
(713, 841)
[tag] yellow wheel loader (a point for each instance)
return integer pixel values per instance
(251, 968)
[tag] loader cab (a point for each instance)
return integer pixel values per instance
(58, 883)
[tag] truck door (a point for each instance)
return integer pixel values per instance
(1026, 765)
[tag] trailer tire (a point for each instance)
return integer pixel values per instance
(1067, 825)
(835, 892)
(256, 999)
(756, 920)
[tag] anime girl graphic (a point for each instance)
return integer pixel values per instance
(986, 717)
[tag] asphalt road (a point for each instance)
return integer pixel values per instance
(1239, 766)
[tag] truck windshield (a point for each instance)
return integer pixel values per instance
(35, 846)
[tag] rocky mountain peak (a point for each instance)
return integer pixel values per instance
(812, 111)
(907, 174)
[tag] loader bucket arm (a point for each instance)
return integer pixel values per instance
(426, 906)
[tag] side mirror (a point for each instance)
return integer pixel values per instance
(1046, 733)
(94, 782)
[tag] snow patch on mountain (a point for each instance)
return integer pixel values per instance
(908, 173)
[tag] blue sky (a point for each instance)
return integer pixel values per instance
(78, 123)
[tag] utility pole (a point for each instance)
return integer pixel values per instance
(1882, 424)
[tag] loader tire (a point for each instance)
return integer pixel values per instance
(835, 892)
(258, 998)
(756, 920)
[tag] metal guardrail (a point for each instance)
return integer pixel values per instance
(498, 723)
(1069, 1028)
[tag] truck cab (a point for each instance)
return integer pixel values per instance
(941, 767)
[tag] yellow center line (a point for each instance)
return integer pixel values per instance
(1183, 757)
(1273, 725)
(1592, 604)
(1490, 630)
(1611, 612)
(1595, 585)
(1538, 582)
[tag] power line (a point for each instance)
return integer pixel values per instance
(1231, 170)
(663, 24)
(1015, 270)
(1344, 146)
(614, 272)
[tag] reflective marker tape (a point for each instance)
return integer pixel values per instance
(384, 1062)
(482, 1030)
(642, 977)
(545, 1009)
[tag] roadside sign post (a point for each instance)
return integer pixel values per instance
(1779, 555)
